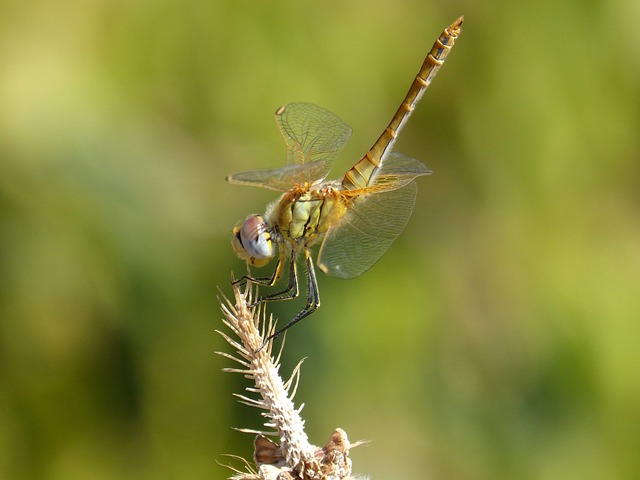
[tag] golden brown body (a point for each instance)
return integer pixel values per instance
(358, 217)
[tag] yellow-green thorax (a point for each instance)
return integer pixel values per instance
(303, 214)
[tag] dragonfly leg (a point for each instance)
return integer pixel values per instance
(288, 293)
(267, 281)
(313, 298)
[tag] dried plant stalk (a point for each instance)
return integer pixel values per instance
(293, 458)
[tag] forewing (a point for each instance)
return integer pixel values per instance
(312, 134)
(280, 179)
(366, 232)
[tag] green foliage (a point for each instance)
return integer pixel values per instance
(496, 339)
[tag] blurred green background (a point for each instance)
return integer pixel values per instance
(497, 339)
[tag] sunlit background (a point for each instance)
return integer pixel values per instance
(498, 338)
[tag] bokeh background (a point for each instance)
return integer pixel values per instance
(498, 338)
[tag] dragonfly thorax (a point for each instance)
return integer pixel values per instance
(303, 216)
(252, 241)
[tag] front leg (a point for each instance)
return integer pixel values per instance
(288, 293)
(266, 281)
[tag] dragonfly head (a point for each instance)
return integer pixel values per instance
(252, 241)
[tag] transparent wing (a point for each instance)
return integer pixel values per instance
(312, 134)
(314, 137)
(396, 171)
(280, 179)
(366, 231)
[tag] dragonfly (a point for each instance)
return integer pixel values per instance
(355, 219)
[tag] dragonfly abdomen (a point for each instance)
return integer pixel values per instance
(363, 173)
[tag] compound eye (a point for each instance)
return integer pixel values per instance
(255, 238)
